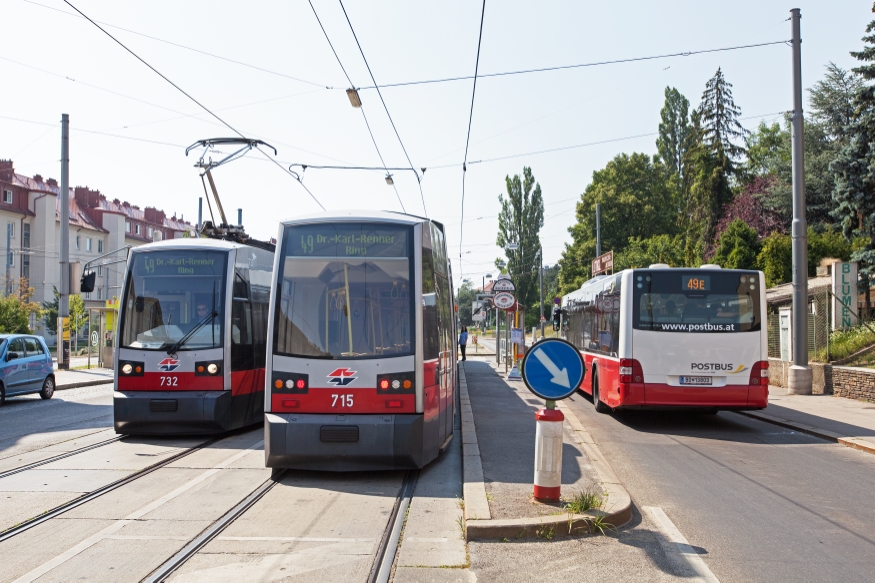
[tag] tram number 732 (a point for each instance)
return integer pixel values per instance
(344, 400)
(169, 381)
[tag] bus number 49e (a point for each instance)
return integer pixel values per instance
(345, 400)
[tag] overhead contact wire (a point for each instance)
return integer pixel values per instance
(468, 138)
(383, 101)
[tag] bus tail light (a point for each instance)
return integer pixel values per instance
(758, 372)
(631, 371)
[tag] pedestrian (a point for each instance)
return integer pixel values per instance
(463, 340)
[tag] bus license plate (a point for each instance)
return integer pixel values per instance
(695, 380)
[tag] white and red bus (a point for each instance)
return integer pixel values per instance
(672, 338)
(361, 365)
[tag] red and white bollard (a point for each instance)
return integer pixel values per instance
(548, 454)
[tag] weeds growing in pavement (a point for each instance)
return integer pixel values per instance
(460, 503)
(461, 522)
(583, 501)
(489, 497)
(546, 533)
(599, 524)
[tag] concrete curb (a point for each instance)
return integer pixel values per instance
(854, 442)
(82, 384)
(479, 524)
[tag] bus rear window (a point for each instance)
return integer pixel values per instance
(677, 301)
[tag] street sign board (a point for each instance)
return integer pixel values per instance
(504, 300)
(543, 319)
(603, 263)
(516, 335)
(553, 369)
(503, 285)
(479, 316)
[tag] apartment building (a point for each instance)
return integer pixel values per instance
(30, 210)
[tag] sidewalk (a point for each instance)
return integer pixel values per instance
(498, 440)
(844, 421)
(73, 379)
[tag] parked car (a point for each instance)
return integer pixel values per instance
(25, 366)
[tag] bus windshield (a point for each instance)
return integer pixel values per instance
(696, 301)
(168, 294)
(345, 291)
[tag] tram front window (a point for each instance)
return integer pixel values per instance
(346, 291)
(170, 294)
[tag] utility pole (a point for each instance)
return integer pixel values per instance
(799, 376)
(541, 287)
(239, 217)
(9, 258)
(200, 213)
(64, 296)
(598, 230)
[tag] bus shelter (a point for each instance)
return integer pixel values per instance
(101, 333)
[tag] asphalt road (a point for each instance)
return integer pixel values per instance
(756, 501)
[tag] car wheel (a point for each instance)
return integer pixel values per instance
(48, 388)
(2, 395)
(600, 406)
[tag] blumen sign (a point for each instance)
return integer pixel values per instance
(844, 287)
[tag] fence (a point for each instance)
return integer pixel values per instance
(819, 328)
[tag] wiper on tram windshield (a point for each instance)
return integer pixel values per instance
(191, 332)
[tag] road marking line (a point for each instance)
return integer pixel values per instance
(685, 550)
(119, 524)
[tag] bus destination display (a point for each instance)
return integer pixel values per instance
(347, 240)
(179, 263)
(696, 283)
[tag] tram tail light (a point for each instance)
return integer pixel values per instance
(291, 403)
(394, 404)
(290, 383)
(631, 371)
(398, 383)
(758, 372)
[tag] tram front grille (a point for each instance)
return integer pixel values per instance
(163, 405)
(339, 433)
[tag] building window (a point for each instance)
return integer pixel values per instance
(138, 229)
(88, 244)
(99, 294)
(150, 231)
(77, 241)
(25, 236)
(127, 227)
(7, 196)
(100, 245)
(10, 257)
(99, 270)
(10, 227)
(87, 295)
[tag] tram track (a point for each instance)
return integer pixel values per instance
(385, 558)
(94, 494)
(64, 455)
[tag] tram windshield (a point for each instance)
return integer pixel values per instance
(171, 293)
(345, 291)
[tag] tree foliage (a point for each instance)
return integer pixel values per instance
(674, 131)
(16, 310)
(656, 249)
(720, 126)
(465, 296)
(737, 247)
(520, 222)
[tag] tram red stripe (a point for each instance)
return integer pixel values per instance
(184, 381)
(244, 382)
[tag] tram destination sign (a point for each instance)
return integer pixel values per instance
(347, 240)
(503, 285)
(553, 369)
(179, 263)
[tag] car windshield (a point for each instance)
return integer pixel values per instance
(346, 291)
(677, 301)
(168, 293)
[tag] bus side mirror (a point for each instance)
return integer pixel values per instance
(86, 284)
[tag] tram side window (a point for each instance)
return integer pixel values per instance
(430, 327)
(242, 355)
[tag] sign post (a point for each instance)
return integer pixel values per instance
(603, 263)
(553, 370)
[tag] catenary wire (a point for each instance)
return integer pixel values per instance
(257, 68)
(397, 135)
(205, 108)
(351, 84)
(468, 136)
(577, 66)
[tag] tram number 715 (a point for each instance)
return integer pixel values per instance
(345, 400)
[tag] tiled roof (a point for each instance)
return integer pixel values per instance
(77, 217)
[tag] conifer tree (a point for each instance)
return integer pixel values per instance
(719, 119)
(674, 130)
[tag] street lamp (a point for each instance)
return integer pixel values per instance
(483, 291)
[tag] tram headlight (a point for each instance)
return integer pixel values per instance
(212, 368)
(207, 368)
(127, 368)
(130, 368)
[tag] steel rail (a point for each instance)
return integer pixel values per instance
(382, 568)
(214, 530)
(26, 467)
(58, 510)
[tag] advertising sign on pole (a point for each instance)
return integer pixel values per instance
(844, 288)
(603, 263)
(504, 300)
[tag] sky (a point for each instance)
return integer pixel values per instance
(271, 74)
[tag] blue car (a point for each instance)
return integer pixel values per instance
(25, 366)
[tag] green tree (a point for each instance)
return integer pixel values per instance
(768, 150)
(674, 130)
(519, 223)
(737, 247)
(16, 310)
(78, 318)
(832, 100)
(656, 249)
(465, 296)
(854, 167)
(720, 125)
(775, 259)
(50, 313)
(637, 200)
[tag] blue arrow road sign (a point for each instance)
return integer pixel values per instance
(553, 369)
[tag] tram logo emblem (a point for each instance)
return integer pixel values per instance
(168, 364)
(341, 377)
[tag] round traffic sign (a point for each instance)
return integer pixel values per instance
(503, 300)
(553, 369)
